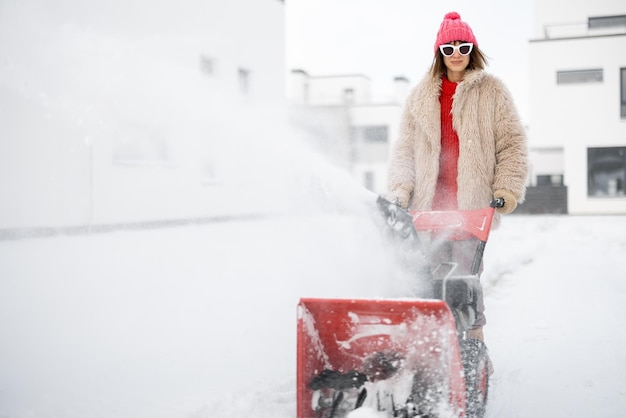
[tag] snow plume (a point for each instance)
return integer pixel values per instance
(183, 144)
(162, 323)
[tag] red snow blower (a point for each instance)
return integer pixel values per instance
(401, 357)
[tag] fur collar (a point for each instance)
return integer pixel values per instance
(423, 101)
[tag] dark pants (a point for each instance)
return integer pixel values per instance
(461, 252)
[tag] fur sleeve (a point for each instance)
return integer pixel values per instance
(511, 148)
(401, 174)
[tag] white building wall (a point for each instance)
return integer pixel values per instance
(584, 113)
(321, 97)
(545, 162)
(124, 111)
(577, 116)
(377, 115)
(572, 14)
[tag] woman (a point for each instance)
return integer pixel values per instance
(461, 142)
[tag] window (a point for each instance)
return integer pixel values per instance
(622, 80)
(580, 76)
(607, 22)
(348, 96)
(244, 81)
(207, 65)
(369, 144)
(368, 180)
(550, 180)
(606, 171)
(370, 134)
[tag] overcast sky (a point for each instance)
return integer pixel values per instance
(386, 38)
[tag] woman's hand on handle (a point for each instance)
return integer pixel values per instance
(510, 202)
(400, 197)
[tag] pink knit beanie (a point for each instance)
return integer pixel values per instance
(454, 29)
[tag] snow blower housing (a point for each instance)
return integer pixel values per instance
(400, 357)
(354, 353)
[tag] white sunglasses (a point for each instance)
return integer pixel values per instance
(464, 49)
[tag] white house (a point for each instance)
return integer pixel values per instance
(351, 127)
(127, 111)
(578, 103)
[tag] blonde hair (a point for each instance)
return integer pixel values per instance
(478, 60)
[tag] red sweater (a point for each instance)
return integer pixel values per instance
(445, 194)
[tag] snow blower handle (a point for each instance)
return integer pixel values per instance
(497, 202)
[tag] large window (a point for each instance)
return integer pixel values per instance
(622, 79)
(606, 171)
(594, 75)
(369, 144)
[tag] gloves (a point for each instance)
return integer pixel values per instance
(510, 202)
(400, 197)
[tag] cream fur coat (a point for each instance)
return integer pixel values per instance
(492, 144)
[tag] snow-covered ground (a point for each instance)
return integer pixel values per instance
(200, 321)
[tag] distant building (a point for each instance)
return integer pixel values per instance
(347, 124)
(578, 108)
(133, 112)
